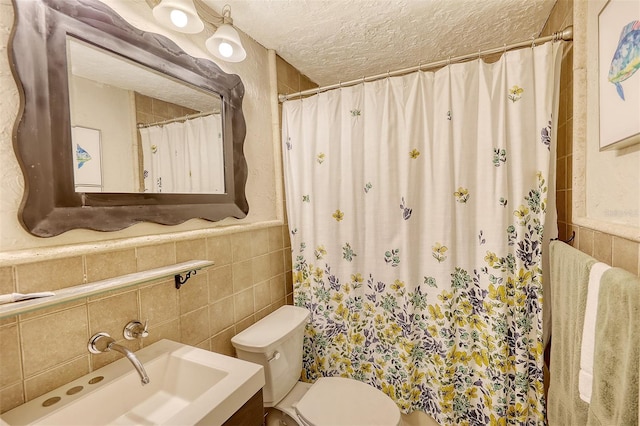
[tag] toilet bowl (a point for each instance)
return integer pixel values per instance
(275, 342)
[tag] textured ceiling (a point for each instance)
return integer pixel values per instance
(340, 40)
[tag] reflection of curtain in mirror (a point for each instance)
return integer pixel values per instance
(184, 157)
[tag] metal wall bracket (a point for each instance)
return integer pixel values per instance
(569, 241)
(95, 288)
(181, 280)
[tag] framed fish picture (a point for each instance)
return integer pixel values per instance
(87, 158)
(619, 73)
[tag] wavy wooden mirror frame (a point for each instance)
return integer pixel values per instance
(42, 134)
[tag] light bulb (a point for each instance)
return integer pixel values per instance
(179, 18)
(225, 49)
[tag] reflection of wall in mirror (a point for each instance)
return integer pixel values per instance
(151, 110)
(110, 109)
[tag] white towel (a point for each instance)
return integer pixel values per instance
(19, 297)
(585, 377)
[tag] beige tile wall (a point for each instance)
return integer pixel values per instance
(251, 277)
(46, 349)
(151, 110)
(290, 80)
(606, 248)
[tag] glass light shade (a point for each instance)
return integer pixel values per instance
(225, 44)
(178, 15)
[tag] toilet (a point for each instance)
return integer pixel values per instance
(275, 342)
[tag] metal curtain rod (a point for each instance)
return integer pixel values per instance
(565, 35)
(172, 120)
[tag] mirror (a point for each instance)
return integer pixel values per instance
(126, 119)
(43, 57)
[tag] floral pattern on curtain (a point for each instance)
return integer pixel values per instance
(416, 206)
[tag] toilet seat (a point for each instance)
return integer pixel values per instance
(339, 401)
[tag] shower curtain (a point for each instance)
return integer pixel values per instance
(184, 157)
(416, 207)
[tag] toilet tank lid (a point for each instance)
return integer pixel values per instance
(271, 330)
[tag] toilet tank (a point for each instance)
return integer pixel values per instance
(275, 342)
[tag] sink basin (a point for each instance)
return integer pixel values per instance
(188, 386)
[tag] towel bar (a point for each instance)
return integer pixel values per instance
(570, 240)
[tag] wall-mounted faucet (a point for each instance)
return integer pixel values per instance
(102, 342)
(135, 330)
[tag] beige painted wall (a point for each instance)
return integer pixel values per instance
(265, 207)
(612, 177)
(602, 244)
(251, 276)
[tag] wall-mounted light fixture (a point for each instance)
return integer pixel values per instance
(178, 15)
(225, 43)
(185, 16)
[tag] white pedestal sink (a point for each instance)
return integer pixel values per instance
(188, 386)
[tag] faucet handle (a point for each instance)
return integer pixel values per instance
(136, 330)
